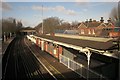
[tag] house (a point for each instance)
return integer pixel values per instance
(88, 28)
(115, 32)
(97, 28)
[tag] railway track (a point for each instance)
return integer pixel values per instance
(6, 60)
(20, 63)
(32, 67)
(23, 61)
(57, 73)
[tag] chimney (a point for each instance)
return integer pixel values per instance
(101, 20)
(94, 20)
(86, 21)
(109, 20)
(90, 20)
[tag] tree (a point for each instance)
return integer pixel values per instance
(65, 25)
(50, 24)
(53, 23)
(75, 24)
(9, 25)
(115, 15)
(19, 25)
(38, 28)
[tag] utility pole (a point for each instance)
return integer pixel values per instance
(42, 21)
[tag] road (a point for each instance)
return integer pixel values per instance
(24, 60)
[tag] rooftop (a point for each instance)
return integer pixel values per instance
(93, 42)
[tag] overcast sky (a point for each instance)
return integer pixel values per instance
(30, 13)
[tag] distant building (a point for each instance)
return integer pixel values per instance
(88, 28)
(28, 31)
(98, 28)
(72, 32)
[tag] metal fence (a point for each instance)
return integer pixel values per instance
(80, 69)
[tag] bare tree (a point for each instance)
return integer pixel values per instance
(38, 28)
(9, 25)
(54, 23)
(74, 24)
(50, 24)
(115, 15)
(65, 25)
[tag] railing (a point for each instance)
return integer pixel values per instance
(80, 69)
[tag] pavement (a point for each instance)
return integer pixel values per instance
(5, 44)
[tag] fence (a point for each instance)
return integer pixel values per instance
(80, 69)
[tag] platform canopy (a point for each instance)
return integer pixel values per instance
(28, 29)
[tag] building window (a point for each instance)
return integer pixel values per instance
(82, 31)
(89, 31)
(93, 31)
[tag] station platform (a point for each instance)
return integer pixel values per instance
(58, 69)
